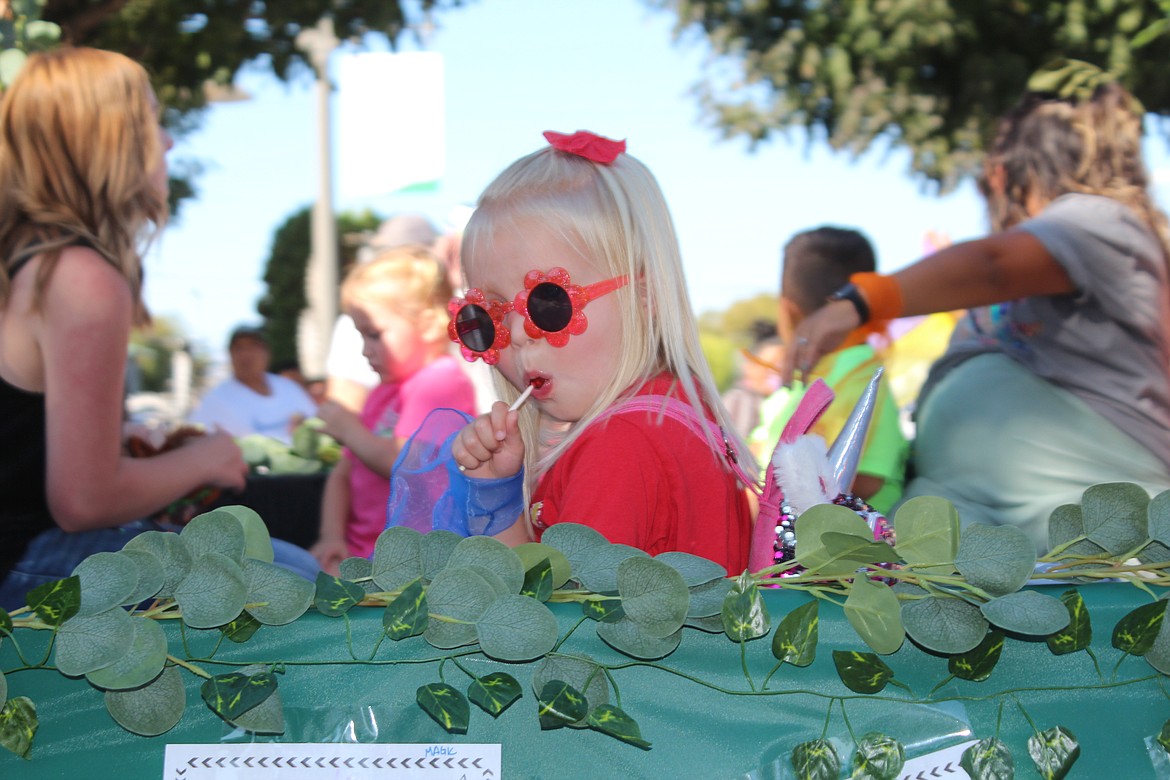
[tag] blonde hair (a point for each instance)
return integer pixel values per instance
(1048, 146)
(406, 280)
(79, 141)
(616, 215)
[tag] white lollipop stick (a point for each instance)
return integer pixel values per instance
(523, 397)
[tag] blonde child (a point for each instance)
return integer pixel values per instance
(577, 291)
(398, 303)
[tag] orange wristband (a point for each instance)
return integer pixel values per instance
(882, 294)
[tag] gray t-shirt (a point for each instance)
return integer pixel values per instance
(1108, 343)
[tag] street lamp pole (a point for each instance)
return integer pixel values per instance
(321, 282)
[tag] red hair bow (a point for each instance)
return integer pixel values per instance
(591, 146)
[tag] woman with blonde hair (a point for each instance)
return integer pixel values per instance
(83, 188)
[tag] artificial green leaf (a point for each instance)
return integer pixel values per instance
(706, 600)
(213, 592)
(695, 571)
(11, 61)
(516, 628)
(107, 580)
(216, 531)
(151, 575)
(1163, 737)
(627, 637)
(57, 601)
(1066, 524)
(795, 640)
(228, 695)
(878, 757)
(977, 664)
(599, 566)
(267, 717)
(581, 673)
(257, 540)
(538, 581)
(943, 624)
(94, 642)
(171, 551)
(847, 547)
(359, 571)
(533, 553)
(611, 720)
(241, 629)
(154, 708)
(436, 551)
(446, 705)
(862, 672)
(493, 555)
(18, 725)
(997, 559)
(1158, 518)
(816, 759)
(1116, 516)
(1053, 751)
(1135, 632)
(276, 596)
(745, 616)
(335, 596)
(398, 558)
(604, 610)
(499, 587)
(653, 594)
(142, 662)
(575, 541)
(712, 624)
(873, 611)
(5, 623)
(456, 599)
(560, 704)
(1078, 634)
(3, 689)
(811, 551)
(988, 759)
(927, 533)
(407, 614)
(1027, 612)
(1154, 552)
(494, 693)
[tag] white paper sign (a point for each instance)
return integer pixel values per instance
(939, 765)
(335, 761)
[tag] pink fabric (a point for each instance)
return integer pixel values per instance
(398, 409)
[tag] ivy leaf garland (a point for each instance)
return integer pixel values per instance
(960, 592)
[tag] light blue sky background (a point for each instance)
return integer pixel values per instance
(515, 68)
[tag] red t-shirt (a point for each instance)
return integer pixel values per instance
(651, 483)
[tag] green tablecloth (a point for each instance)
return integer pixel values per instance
(695, 731)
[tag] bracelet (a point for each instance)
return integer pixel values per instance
(882, 294)
(850, 293)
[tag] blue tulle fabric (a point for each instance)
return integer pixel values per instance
(428, 491)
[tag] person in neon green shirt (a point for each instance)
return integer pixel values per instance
(816, 263)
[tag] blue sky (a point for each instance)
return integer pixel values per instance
(514, 68)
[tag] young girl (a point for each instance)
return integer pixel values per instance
(398, 303)
(83, 180)
(1059, 377)
(578, 293)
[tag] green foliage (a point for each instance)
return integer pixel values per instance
(816, 760)
(878, 757)
(1053, 751)
(929, 76)
(988, 759)
(719, 352)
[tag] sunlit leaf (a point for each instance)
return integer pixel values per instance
(335, 596)
(988, 759)
(846, 547)
(599, 566)
(745, 616)
(604, 610)
(257, 540)
(213, 592)
(943, 624)
(446, 705)
(533, 553)
(516, 628)
(795, 640)
(276, 596)
(878, 757)
(977, 664)
(998, 559)
(228, 695)
(85, 644)
(1116, 515)
(56, 601)
(811, 551)
(398, 558)
(653, 594)
(574, 541)
(1135, 632)
(611, 720)
(152, 709)
(142, 662)
(1078, 634)
(538, 581)
(1053, 751)
(107, 580)
(493, 555)
(216, 531)
(560, 704)
(456, 599)
(18, 725)
(494, 693)
(151, 575)
(627, 637)
(1027, 612)
(927, 530)
(816, 759)
(875, 614)
(171, 550)
(241, 629)
(406, 615)
(862, 672)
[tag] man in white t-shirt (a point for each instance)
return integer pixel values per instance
(253, 400)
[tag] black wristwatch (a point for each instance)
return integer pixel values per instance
(850, 293)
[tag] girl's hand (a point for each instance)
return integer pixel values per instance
(816, 336)
(490, 446)
(221, 456)
(339, 421)
(329, 554)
